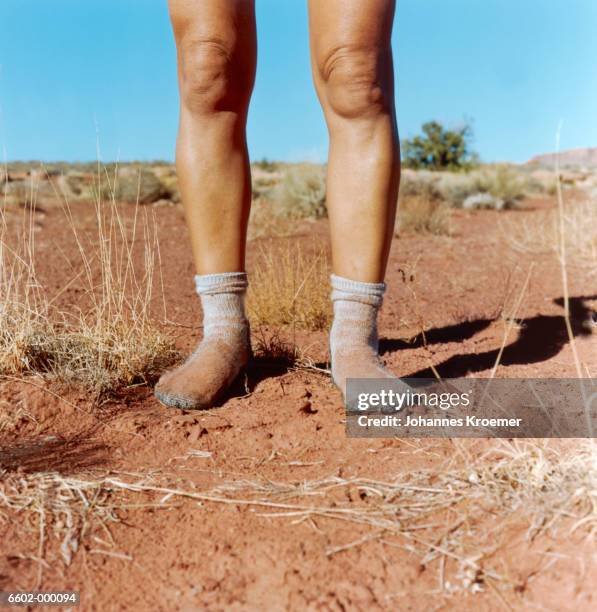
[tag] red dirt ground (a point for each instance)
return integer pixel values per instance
(208, 555)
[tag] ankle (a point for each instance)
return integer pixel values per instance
(356, 306)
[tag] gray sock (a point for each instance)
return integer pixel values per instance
(354, 342)
(224, 351)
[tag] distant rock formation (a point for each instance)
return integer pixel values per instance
(579, 158)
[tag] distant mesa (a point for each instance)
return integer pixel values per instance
(577, 158)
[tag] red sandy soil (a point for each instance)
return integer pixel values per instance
(290, 428)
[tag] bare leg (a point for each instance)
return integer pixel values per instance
(353, 74)
(217, 49)
(352, 69)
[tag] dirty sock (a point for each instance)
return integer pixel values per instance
(224, 350)
(354, 342)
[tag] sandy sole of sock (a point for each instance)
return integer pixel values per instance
(185, 403)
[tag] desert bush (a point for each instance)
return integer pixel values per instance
(263, 183)
(420, 205)
(504, 183)
(438, 148)
(16, 192)
(300, 194)
(290, 288)
(132, 185)
(267, 222)
(266, 165)
(418, 214)
(420, 184)
(169, 179)
(539, 181)
(81, 185)
(455, 188)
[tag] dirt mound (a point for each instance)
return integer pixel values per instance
(582, 158)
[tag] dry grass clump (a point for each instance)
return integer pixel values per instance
(102, 355)
(418, 214)
(421, 208)
(300, 193)
(420, 183)
(114, 342)
(272, 348)
(24, 317)
(283, 198)
(579, 224)
(267, 222)
(290, 288)
(265, 176)
(111, 340)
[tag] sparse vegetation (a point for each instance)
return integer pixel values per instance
(61, 497)
(421, 183)
(282, 193)
(267, 222)
(503, 183)
(419, 214)
(109, 342)
(129, 183)
(270, 347)
(266, 165)
(132, 185)
(546, 488)
(300, 194)
(283, 198)
(579, 226)
(421, 208)
(290, 288)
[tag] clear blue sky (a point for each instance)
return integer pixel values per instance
(516, 67)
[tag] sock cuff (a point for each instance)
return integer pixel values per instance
(356, 291)
(225, 282)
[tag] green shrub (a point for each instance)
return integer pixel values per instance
(439, 148)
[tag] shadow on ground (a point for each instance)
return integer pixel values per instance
(54, 454)
(541, 337)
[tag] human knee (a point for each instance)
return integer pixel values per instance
(207, 77)
(355, 81)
